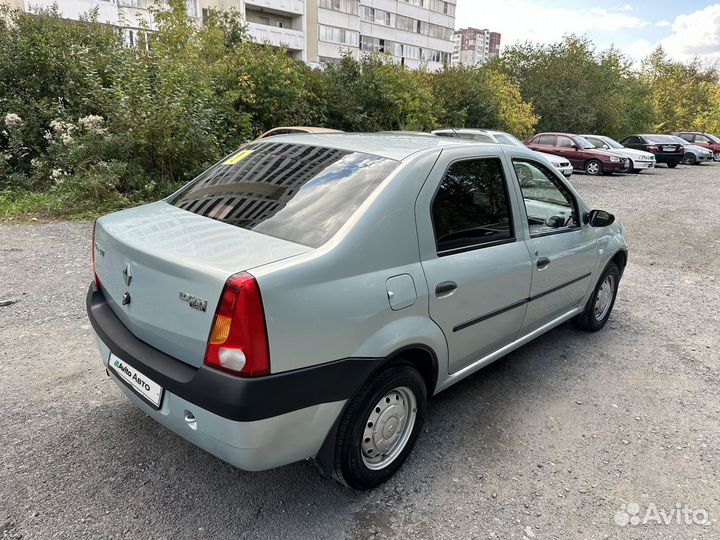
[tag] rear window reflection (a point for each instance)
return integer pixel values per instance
(296, 192)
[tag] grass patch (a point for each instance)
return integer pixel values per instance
(56, 205)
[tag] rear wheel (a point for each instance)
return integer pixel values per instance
(689, 159)
(672, 164)
(597, 310)
(379, 427)
(594, 167)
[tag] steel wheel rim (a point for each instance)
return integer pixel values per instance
(604, 297)
(593, 168)
(388, 428)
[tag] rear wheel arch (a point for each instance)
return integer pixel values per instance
(423, 358)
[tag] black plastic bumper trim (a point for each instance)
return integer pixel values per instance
(234, 398)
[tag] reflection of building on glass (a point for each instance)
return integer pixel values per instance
(258, 186)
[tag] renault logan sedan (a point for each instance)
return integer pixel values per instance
(305, 296)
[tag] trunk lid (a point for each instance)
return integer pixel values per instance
(172, 265)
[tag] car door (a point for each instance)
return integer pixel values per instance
(477, 268)
(562, 248)
(544, 143)
(574, 155)
(634, 142)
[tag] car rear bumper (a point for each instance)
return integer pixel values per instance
(669, 158)
(254, 424)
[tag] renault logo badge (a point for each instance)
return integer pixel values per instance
(127, 274)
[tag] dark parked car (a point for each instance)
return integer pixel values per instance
(580, 152)
(666, 149)
(706, 140)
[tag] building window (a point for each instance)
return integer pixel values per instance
(331, 34)
(346, 6)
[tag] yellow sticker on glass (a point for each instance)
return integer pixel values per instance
(232, 160)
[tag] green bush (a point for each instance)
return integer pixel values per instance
(87, 124)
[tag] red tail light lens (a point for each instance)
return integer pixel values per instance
(94, 249)
(238, 341)
(653, 149)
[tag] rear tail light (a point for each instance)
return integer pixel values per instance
(238, 341)
(653, 149)
(94, 249)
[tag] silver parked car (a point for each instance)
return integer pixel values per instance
(694, 154)
(501, 137)
(639, 159)
(304, 297)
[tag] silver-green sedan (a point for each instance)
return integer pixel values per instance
(304, 297)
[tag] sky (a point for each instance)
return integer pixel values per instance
(685, 28)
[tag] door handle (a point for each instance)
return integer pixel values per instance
(445, 288)
(543, 263)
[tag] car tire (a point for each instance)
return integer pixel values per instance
(716, 157)
(363, 458)
(600, 305)
(689, 159)
(672, 164)
(594, 167)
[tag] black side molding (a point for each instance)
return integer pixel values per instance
(517, 304)
(234, 398)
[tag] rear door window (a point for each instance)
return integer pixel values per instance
(545, 140)
(471, 208)
(295, 192)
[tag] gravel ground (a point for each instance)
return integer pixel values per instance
(548, 442)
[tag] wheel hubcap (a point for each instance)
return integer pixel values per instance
(604, 298)
(388, 427)
(593, 168)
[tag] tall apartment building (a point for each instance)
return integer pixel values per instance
(278, 22)
(473, 46)
(412, 32)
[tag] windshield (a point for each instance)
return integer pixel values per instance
(713, 138)
(612, 143)
(584, 143)
(506, 138)
(681, 140)
(295, 192)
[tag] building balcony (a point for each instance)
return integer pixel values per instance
(277, 37)
(296, 7)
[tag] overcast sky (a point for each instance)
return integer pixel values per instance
(684, 27)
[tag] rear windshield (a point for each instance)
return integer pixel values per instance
(296, 192)
(661, 139)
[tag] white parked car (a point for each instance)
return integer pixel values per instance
(501, 137)
(639, 160)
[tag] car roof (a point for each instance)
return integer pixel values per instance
(390, 145)
(558, 133)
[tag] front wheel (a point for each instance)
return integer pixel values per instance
(689, 159)
(594, 167)
(597, 310)
(379, 427)
(672, 164)
(716, 157)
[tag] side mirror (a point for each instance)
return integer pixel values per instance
(600, 218)
(606, 147)
(574, 146)
(555, 222)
